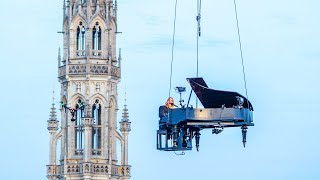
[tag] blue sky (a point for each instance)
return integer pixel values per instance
(280, 42)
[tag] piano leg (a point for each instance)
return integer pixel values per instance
(175, 136)
(244, 135)
(197, 134)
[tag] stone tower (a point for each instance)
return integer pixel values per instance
(86, 143)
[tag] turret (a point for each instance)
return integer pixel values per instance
(53, 122)
(125, 124)
(125, 128)
(52, 127)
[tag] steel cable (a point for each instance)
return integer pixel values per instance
(172, 48)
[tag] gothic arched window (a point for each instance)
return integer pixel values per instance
(96, 132)
(79, 137)
(81, 39)
(96, 39)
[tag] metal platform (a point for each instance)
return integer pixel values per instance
(223, 109)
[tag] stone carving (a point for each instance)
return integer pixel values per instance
(122, 170)
(99, 69)
(88, 110)
(115, 71)
(87, 88)
(128, 171)
(112, 88)
(102, 69)
(81, 53)
(97, 87)
(96, 152)
(96, 53)
(62, 71)
(78, 152)
(78, 84)
(100, 169)
(77, 69)
(86, 168)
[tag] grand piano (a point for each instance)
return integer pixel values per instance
(222, 109)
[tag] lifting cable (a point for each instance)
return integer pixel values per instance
(172, 48)
(172, 57)
(198, 32)
(240, 46)
(198, 18)
(198, 35)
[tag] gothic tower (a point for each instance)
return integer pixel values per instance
(86, 143)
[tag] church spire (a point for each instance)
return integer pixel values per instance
(125, 124)
(52, 122)
(125, 128)
(53, 116)
(125, 114)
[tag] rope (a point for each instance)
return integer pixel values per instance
(172, 49)
(241, 53)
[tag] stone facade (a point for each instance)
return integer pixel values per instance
(89, 73)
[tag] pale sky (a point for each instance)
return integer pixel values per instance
(280, 41)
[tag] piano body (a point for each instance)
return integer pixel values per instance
(222, 109)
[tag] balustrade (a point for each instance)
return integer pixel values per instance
(99, 69)
(96, 152)
(95, 69)
(95, 168)
(125, 171)
(74, 168)
(77, 69)
(97, 53)
(78, 152)
(100, 169)
(81, 53)
(54, 170)
(94, 53)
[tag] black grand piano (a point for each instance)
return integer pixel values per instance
(222, 109)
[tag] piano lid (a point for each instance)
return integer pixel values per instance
(211, 98)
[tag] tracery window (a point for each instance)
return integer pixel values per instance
(79, 133)
(81, 39)
(96, 131)
(96, 37)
